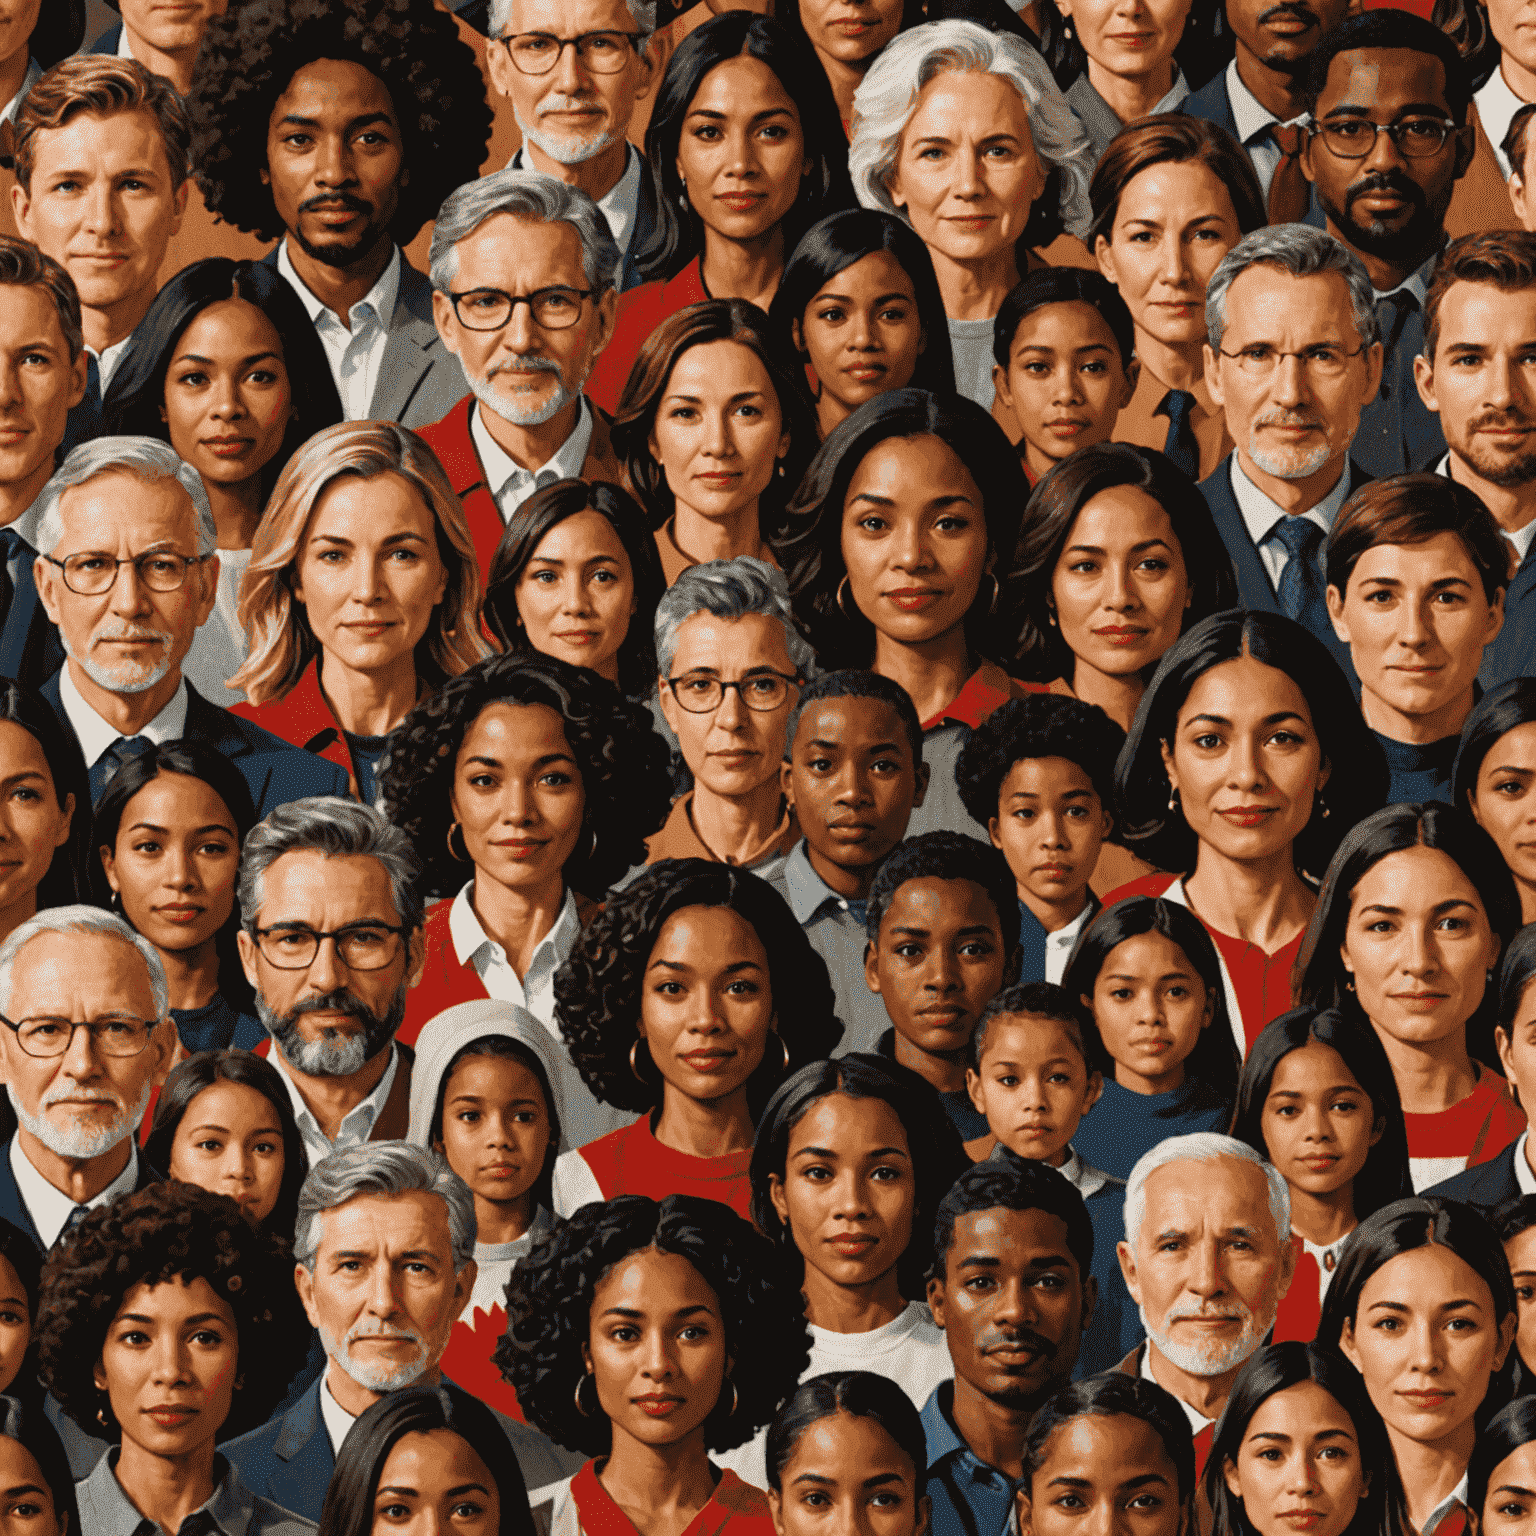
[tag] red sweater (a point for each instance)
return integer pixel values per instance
(641, 310)
(1473, 1131)
(630, 1161)
(734, 1509)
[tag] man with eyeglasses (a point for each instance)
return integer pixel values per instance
(524, 272)
(1293, 358)
(85, 1037)
(127, 570)
(1387, 143)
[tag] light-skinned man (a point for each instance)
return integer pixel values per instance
(163, 38)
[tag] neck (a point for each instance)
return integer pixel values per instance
(1117, 694)
(596, 177)
(1294, 497)
(1264, 902)
(1136, 1082)
(518, 919)
(661, 1480)
(14, 915)
(13, 72)
(331, 1099)
(1431, 1075)
(1517, 77)
(1431, 1470)
(852, 883)
(1040, 464)
(1416, 730)
(1131, 96)
(945, 1074)
(1527, 900)
(995, 1432)
(175, 64)
(1053, 916)
(707, 1127)
(191, 975)
(369, 703)
(743, 269)
(975, 290)
(851, 1308)
(1173, 367)
(237, 511)
(81, 1180)
(1324, 1218)
(933, 672)
(1387, 274)
(703, 539)
(733, 830)
(103, 326)
(1512, 506)
(503, 1221)
(17, 495)
(532, 448)
(339, 288)
(1207, 1395)
(843, 76)
(126, 713)
(1276, 90)
(166, 1489)
(356, 1399)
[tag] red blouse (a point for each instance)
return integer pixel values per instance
(630, 1161)
(640, 311)
(735, 1507)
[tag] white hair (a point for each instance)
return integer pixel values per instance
(79, 918)
(887, 97)
(1202, 1147)
(642, 11)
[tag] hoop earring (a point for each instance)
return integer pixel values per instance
(457, 858)
(592, 851)
(581, 1381)
(1173, 801)
(639, 1076)
(735, 1401)
(997, 592)
(783, 1047)
(841, 588)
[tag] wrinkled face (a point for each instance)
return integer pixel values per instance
(495, 1129)
(1111, 1469)
(433, 1483)
(1150, 1005)
(1050, 825)
(1318, 1122)
(1033, 1085)
(1503, 803)
(39, 383)
(174, 28)
(33, 821)
(576, 595)
(1281, 36)
(230, 1141)
(30, 1512)
(1129, 38)
(1510, 1509)
(15, 1335)
(849, 1471)
(851, 31)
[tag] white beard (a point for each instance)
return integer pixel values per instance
(563, 150)
(382, 1376)
(76, 1141)
(126, 676)
(506, 406)
(1212, 1360)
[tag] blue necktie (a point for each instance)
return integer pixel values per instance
(1302, 590)
(113, 759)
(1181, 446)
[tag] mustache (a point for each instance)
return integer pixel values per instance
(563, 103)
(523, 362)
(121, 629)
(1289, 8)
(1387, 181)
(1288, 419)
(338, 1001)
(62, 1092)
(378, 1330)
(333, 200)
(1184, 1313)
(1015, 1338)
(1509, 418)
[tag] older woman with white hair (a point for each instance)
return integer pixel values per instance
(963, 133)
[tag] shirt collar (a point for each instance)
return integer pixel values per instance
(378, 303)
(13, 106)
(360, 1118)
(1417, 283)
(939, 1433)
(502, 470)
(1197, 1420)
(1457, 1496)
(113, 1513)
(1261, 516)
(1252, 117)
(619, 204)
(1496, 108)
(808, 893)
(95, 735)
(123, 50)
(1084, 1179)
(469, 935)
(336, 1418)
(50, 1208)
(986, 689)
(1176, 94)
(1065, 938)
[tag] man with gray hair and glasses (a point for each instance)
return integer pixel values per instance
(523, 276)
(85, 1037)
(1294, 356)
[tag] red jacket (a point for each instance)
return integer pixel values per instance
(641, 310)
(303, 719)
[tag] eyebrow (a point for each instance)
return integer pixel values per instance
(742, 394)
(1066, 794)
(1082, 346)
(21, 1488)
(757, 117)
(210, 826)
(828, 1152)
(1133, 1482)
(1095, 549)
(826, 296)
(584, 560)
(1447, 905)
(1322, 1434)
(943, 138)
(1237, 1229)
(990, 1261)
(1291, 1093)
(922, 933)
(186, 1322)
(838, 746)
(636, 1312)
(542, 762)
(224, 1130)
(959, 497)
(1274, 719)
(394, 538)
(365, 121)
(1524, 1493)
(679, 965)
(1421, 107)
(822, 1481)
(1445, 1306)
(1166, 976)
(245, 362)
(1393, 581)
(1512, 768)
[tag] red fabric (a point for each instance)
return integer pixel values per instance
(449, 439)
(734, 1506)
(1478, 1128)
(641, 310)
(467, 1361)
(302, 718)
(1203, 1449)
(1424, 8)
(986, 690)
(630, 1161)
(443, 983)
(1300, 1310)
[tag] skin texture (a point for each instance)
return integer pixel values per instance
(1516, 1045)
(1111, 1470)
(1272, 43)
(1521, 1253)
(39, 383)
(15, 1335)
(1510, 1508)
(1130, 46)
(230, 1141)
(433, 1483)
(576, 595)
(1033, 1086)
(165, 38)
(849, 1474)
(1504, 807)
(1150, 1005)
(31, 1513)
(1050, 826)
(33, 822)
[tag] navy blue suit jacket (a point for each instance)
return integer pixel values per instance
(14, 1209)
(1513, 653)
(30, 650)
(108, 41)
(274, 771)
(1486, 1184)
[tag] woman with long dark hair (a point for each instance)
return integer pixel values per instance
(1494, 774)
(845, 42)
(1502, 1471)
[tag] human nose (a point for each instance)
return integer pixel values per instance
(1118, 592)
(848, 1197)
(849, 786)
(719, 440)
(238, 1167)
(744, 161)
(80, 1056)
(226, 404)
(731, 711)
(1053, 830)
(333, 162)
(1413, 628)
(517, 335)
(968, 179)
(382, 1300)
(863, 336)
(1315, 1124)
(1384, 155)
(909, 546)
(177, 870)
(169, 1356)
(1067, 386)
(1426, 1346)
(1499, 383)
(1173, 260)
(1205, 1277)
(102, 210)
(1245, 763)
(569, 72)
(325, 970)
(574, 597)
(129, 594)
(1288, 385)
(1421, 955)
(656, 1362)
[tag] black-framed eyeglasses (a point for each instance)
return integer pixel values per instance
(1324, 361)
(489, 309)
(114, 1034)
(360, 946)
(1353, 138)
(604, 53)
(762, 691)
(90, 575)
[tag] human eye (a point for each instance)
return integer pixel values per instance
(953, 523)
(872, 522)
(1076, 813)
(1325, 356)
(133, 1337)
(42, 359)
(1386, 1325)
(1140, 237)
(26, 1509)
(694, 1333)
(1259, 352)
(404, 556)
(884, 1173)
(209, 1338)
(468, 1117)
(1285, 1111)
(1525, 1293)
(668, 988)
(1154, 563)
(1069, 1501)
(816, 1173)
(267, 1148)
(886, 1499)
(13, 1319)
(604, 577)
(1422, 130)
(1095, 368)
(159, 565)
(975, 947)
(625, 1333)
(741, 987)
(832, 314)
(393, 1511)
(706, 132)
(1025, 813)
(895, 315)
(366, 940)
(698, 686)
(1146, 1502)
(980, 1283)
(214, 848)
(1206, 741)
(482, 301)
(1120, 994)
(467, 1509)
(1059, 1077)
(146, 846)
(1267, 1453)
(909, 950)
(209, 1144)
(1007, 1080)
(1513, 1510)
(262, 376)
(1344, 1106)
(555, 779)
(763, 687)
(816, 1499)
(1509, 788)
(1350, 130)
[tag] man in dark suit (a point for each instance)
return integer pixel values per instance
(384, 1326)
(1294, 356)
(355, 163)
(127, 570)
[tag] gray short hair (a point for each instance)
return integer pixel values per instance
(334, 828)
(887, 97)
(145, 458)
(1303, 252)
(525, 195)
(729, 589)
(1202, 1147)
(79, 918)
(643, 13)
(391, 1169)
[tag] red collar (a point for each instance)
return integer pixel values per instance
(987, 689)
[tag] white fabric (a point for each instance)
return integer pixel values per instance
(1520, 539)
(336, 1418)
(1417, 283)
(356, 1124)
(95, 735)
(1255, 124)
(50, 1208)
(1175, 894)
(1496, 108)
(1322, 1254)
(511, 485)
(620, 204)
(1197, 1420)
(572, 1184)
(108, 359)
(536, 990)
(1058, 945)
(1083, 1177)
(1261, 517)
(1457, 1495)
(1525, 1179)
(219, 648)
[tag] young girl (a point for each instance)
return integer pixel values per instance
(1148, 971)
(1304, 1103)
(1502, 1472)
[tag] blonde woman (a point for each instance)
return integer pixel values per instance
(361, 596)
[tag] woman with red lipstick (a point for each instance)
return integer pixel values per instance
(1493, 775)
(1246, 764)
(1424, 1308)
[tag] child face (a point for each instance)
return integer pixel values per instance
(939, 961)
(1049, 825)
(1102, 1472)
(848, 1473)
(1033, 1086)
(1520, 1250)
(1318, 1123)
(1517, 1047)
(1150, 1005)
(495, 1127)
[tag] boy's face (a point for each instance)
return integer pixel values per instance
(1520, 1250)
(939, 960)
(1065, 381)
(852, 781)
(1049, 825)
(1033, 1086)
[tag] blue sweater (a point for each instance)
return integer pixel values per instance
(1123, 1125)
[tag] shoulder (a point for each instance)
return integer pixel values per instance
(1484, 1185)
(1148, 885)
(238, 737)
(269, 1519)
(1211, 101)
(741, 1500)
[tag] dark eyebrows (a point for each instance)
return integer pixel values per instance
(209, 362)
(1274, 719)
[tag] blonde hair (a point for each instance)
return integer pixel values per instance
(282, 644)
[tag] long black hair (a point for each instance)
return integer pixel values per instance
(1511, 1427)
(1499, 711)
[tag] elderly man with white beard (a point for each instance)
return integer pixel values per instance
(1207, 1257)
(1293, 358)
(86, 1038)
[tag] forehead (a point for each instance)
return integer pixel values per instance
(1244, 689)
(54, 972)
(515, 733)
(1023, 1037)
(913, 471)
(850, 722)
(518, 253)
(569, 18)
(877, 274)
(1383, 81)
(1213, 1189)
(334, 90)
(1430, 1276)
(1174, 192)
(939, 906)
(708, 937)
(118, 505)
(175, 1299)
(718, 370)
(1016, 1238)
(28, 314)
(1064, 325)
(389, 1222)
(176, 800)
(103, 142)
(754, 640)
(742, 87)
(1481, 315)
(1266, 298)
(232, 326)
(957, 102)
(1444, 555)
(306, 886)
(848, 1125)
(651, 1281)
(1046, 776)
(1413, 879)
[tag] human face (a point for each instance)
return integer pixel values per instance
(1318, 1121)
(1033, 1085)
(1012, 1305)
(914, 539)
(1298, 1467)
(719, 430)
(33, 821)
(432, 1483)
(495, 1131)
(1290, 423)
(1128, 38)
(228, 401)
(524, 373)
(82, 1104)
(28, 1508)
(1510, 1507)
(1416, 618)
(732, 751)
(1150, 1005)
(939, 960)
(850, 31)
(1120, 589)
(368, 571)
(848, 1475)
(1482, 380)
(1426, 1339)
(38, 385)
(1246, 762)
(15, 1333)
(518, 795)
(1050, 825)
(1281, 36)
(1503, 803)
(335, 161)
(706, 1006)
(1520, 1250)
(18, 21)
(1108, 1473)
(1385, 205)
(576, 595)
(742, 153)
(383, 1292)
(1173, 225)
(847, 1190)
(1418, 946)
(175, 862)
(1517, 1047)
(1065, 382)
(102, 203)
(1514, 29)
(1207, 1268)
(230, 1141)
(128, 638)
(657, 1348)
(170, 26)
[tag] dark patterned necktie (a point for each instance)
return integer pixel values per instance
(1181, 445)
(1290, 193)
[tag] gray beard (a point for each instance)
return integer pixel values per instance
(123, 679)
(76, 1143)
(381, 1377)
(503, 406)
(1208, 1362)
(565, 151)
(336, 1053)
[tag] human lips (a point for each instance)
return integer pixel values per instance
(171, 1415)
(718, 479)
(864, 373)
(1318, 1162)
(741, 202)
(708, 1058)
(576, 636)
(851, 1245)
(227, 447)
(520, 847)
(1121, 634)
(1066, 426)
(657, 1405)
(1300, 1519)
(849, 831)
(1426, 1397)
(179, 912)
(1136, 40)
(912, 599)
(1248, 815)
(943, 1015)
(1056, 870)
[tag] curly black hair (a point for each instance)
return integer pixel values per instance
(945, 856)
(624, 764)
(549, 1305)
(597, 989)
(249, 57)
(165, 1232)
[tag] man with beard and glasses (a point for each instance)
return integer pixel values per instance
(524, 271)
(1388, 141)
(85, 1037)
(127, 570)
(1012, 1246)
(1207, 1257)
(1294, 356)
(384, 1251)
(1479, 372)
(331, 942)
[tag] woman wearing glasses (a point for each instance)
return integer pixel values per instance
(362, 595)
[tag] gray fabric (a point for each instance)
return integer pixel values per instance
(105, 1510)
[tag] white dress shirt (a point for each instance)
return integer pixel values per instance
(1524, 1178)
(535, 991)
(620, 204)
(1261, 517)
(1083, 1177)
(1058, 945)
(356, 1124)
(1496, 108)
(108, 359)
(356, 355)
(1456, 1498)
(95, 735)
(510, 484)
(13, 106)
(336, 1419)
(50, 1208)
(1519, 540)
(1254, 124)
(1197, 1420)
